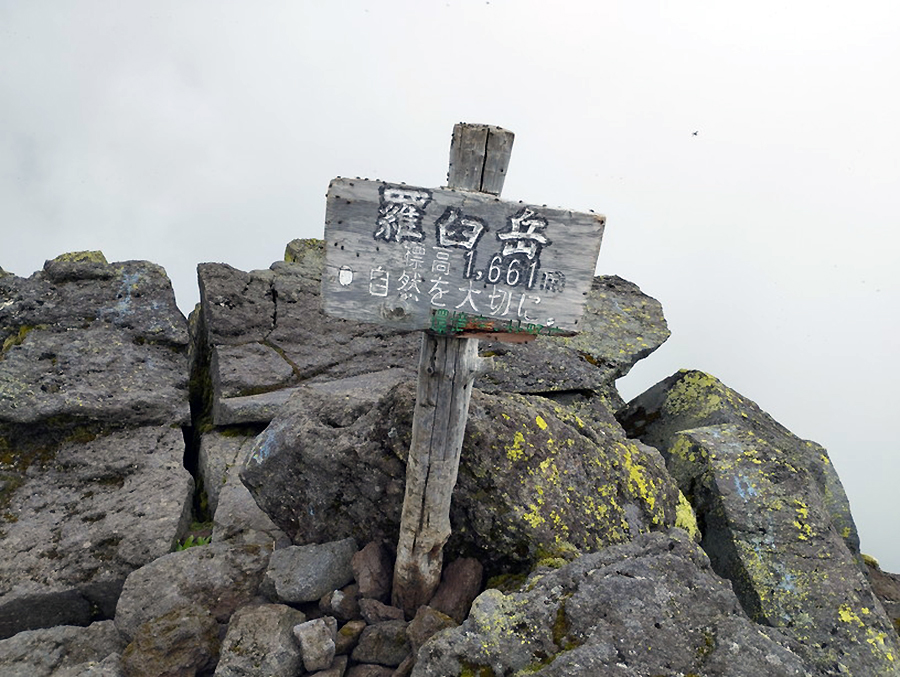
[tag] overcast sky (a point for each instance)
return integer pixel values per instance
(182, 132)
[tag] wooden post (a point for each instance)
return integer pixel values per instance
(479, 156)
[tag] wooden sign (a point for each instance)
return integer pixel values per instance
(455, 262)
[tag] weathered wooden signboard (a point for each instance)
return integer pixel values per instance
(455, 262)
(458, 264)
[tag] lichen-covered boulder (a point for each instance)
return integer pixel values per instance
(767, 530)
(535, 480)
(693, 399)
(102, 344)
(184, 641)
(649, 607)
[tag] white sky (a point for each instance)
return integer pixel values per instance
(182, 132)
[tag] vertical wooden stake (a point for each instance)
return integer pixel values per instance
(479, 156)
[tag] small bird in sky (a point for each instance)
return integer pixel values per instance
(695, 133)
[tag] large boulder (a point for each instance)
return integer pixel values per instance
(693, 399)
(93, 391)
(768, 530)
(262, 333)
(620, 326)
(649, 607)
(80, 522)
(217, 578)
(535, 479)
(93, 343)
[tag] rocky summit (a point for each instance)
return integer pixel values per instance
(222, 494)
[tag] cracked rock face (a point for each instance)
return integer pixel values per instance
(93, 392)
(264, 332)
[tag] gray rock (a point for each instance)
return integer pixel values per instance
(373, 569)
(886, 587)
(460, 585)
(620, 326)
(651, 606)
(240, 370)
(265, 330)
(83, 518)
(108, 351)
(270, 319)
(235, 513)
(111, 666)
(383, 643)
(317, 642)
(405, 668)
(220, 450)
(53, 651)
(692, 399)
(767, 529)
(250, 409)
(260, 641)
(218, 578)
(238, 518)
(304, 573)
(535, 480)
(180, 643)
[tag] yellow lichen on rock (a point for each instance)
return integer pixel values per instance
(94, 256)
(686, 519)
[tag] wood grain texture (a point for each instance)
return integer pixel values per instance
(409, 279)
(447, 370)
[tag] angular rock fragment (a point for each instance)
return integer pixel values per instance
(427, 622)
(235, 513)
(260, 641)
(384, 643)
(348, 636)
(304, 573)
(373, 568)
(316, 638)
(184, 641)
(460, 585)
